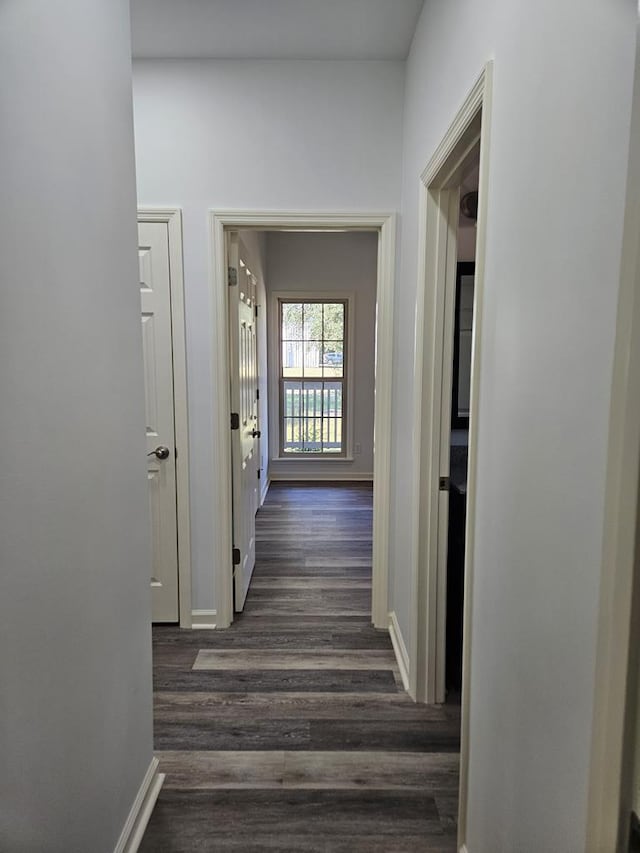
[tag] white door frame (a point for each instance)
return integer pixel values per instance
(385, 225)
(439, 188)
(172, 218)
(616, 675)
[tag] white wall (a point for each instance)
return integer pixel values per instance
(321, 136)
(75, 650)
(331, 263)
(560, 132)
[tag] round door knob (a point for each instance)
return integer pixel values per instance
(255, 433)
(160, 452)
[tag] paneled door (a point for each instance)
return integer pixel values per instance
(155, 298)
(244, 416)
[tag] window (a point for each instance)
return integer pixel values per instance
(313, 353)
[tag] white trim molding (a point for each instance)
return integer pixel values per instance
(138, 818)
(439, 189)
(323, 477)
(385, 225)
(400, 650)
(203, 619)
(172, 218)
(273, 372)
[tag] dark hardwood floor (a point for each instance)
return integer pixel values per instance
(291, 730)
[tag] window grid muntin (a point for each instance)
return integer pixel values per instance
(339, 424)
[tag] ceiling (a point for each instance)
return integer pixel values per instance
(273, 29)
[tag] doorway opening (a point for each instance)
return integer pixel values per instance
(448, 329)
(166, 419)
(459, 424)
(308, 416)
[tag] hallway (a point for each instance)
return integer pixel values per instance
(291, 731)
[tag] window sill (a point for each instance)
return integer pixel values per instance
(314, 459)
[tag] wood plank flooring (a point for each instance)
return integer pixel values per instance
(291, 731)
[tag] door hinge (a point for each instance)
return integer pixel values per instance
(175, 453)
(236, 556)
(232, 276)
(235, 420)
(258, 473)
(257, 393)
(256, 310)
(444, 484)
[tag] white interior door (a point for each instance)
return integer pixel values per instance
(244, 407)
(155, 297)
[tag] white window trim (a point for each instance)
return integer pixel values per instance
(273, 322)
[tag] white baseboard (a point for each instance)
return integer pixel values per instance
(321, 476)
(400, 649)
(264, 491)
(463, 849)
(204, 619)
(138, 818)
